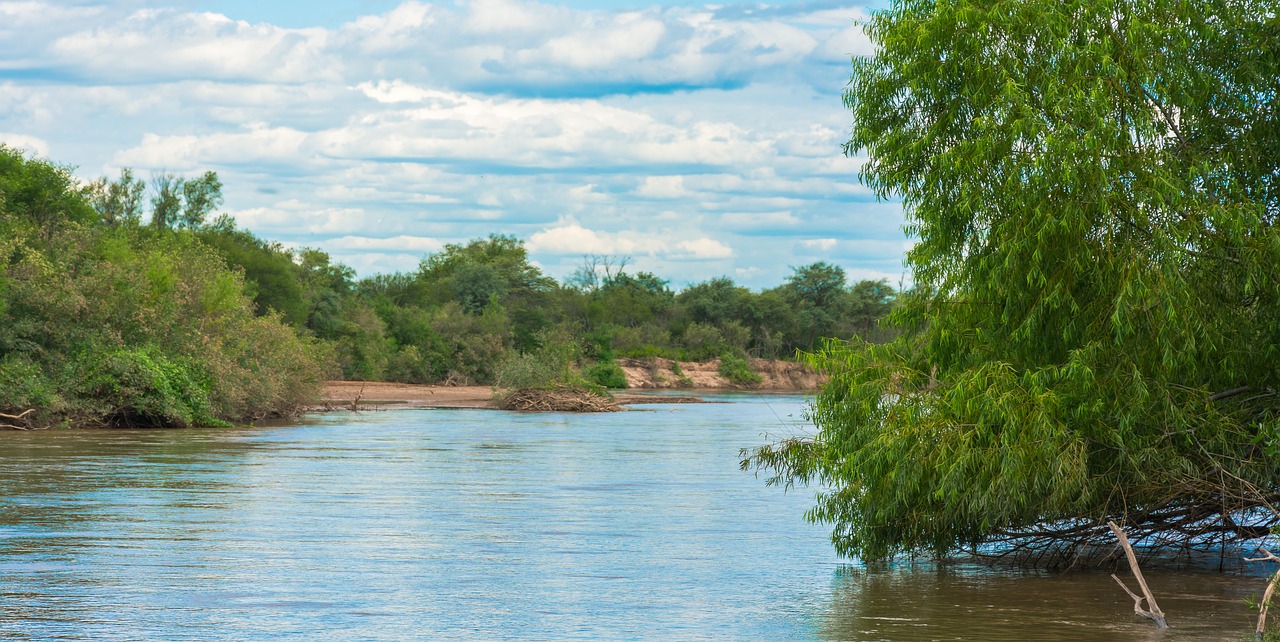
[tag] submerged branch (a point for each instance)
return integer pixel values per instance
(1154, 613)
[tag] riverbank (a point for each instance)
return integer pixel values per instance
(775, 375)
(372, 394)
(652, 375)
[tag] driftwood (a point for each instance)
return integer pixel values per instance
(557, 400)
(17, 417)
(1266, 597)
(1154, 613)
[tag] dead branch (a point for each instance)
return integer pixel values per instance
(17, 418)
(1266, 597)
(355, 403)
(1230, 393)
(1154, 614)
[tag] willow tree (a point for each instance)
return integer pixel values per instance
(1094, 331)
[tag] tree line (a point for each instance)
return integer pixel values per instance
(143, 284)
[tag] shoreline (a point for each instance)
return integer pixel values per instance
(354, 395)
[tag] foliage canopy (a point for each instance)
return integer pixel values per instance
(105, 321)
(1095, 328)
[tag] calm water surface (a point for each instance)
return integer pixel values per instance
(465, 524)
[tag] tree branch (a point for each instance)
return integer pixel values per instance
(1155, 614)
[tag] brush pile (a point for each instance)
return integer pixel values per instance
(557, 400)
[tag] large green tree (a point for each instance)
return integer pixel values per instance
(1094, 331)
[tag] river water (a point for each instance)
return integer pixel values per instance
(480, 525)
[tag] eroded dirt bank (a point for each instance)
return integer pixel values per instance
(666, 373)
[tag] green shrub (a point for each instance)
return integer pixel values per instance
(24, 386)
(550, 366)
(141, 387)
(606, 374)
(738, 371)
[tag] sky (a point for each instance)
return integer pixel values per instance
(695, 140)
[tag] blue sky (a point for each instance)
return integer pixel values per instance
(697, 140)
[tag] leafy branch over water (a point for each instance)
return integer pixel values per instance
(1096, 324)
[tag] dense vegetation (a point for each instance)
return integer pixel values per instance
(127, 302)
(104, 320)
(1095, 329)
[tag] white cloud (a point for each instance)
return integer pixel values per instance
(759, 219)
(574, 239)
(687, 138)
(172, 44)
(662, 187)
(295, 218)
(457, 127)
(706, 248)
(31, 144)
(819, 244)
(418, 244)
(377, 262)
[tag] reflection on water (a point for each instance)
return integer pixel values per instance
(969, 602)
(460, 524)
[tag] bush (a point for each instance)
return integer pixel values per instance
(738, 371)
(606, 374)
(141, 387)
(643, 341)
(550, 366)
(24, 386)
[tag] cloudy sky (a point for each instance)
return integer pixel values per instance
(698, 140)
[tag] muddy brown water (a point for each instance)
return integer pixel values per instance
(479, 525)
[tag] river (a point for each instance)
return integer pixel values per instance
(480, 525)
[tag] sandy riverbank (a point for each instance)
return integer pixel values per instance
(644, 378)
(341, 394)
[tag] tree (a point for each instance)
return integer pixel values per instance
(819, 285)
(476, 285)
(817, 291)
(200, 197)
(184, 203)
(41, 192)
(119, 201)
(1095, 324)
(271, 276)
(166, 200)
